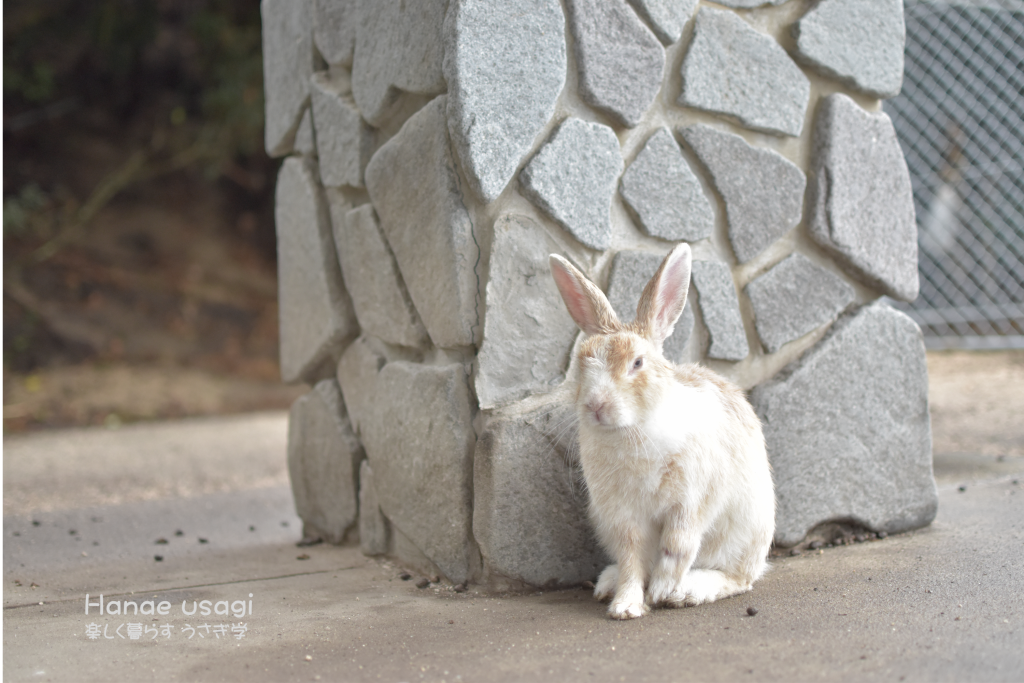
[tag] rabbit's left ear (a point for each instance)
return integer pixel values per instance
(587, 304)
(663, 298)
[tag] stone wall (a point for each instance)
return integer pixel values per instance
(436, 151)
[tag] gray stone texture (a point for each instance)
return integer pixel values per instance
(316, 316)
(415, 188)
(619, 60)
(343, 140)
(416, 425)
(848, 431)
(572, 178)
(794, 298)
(631, 270)
(323, 463)
(374, 537)
(334, 30)
(763, 191)
(381, 302)
(720, 310)
(287, 66)
(862, 206)
(665, 17)
(734, 70)
(663, 191)
(357, 377)
(398, 49)
(860, 42)
(749, 4)
(528, 334)
(305, 139)
(529, 507)
(403, 549)
(505, 67)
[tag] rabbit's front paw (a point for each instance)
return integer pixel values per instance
(606, 583)
(662, 590)
(701, 586)
(628, 603)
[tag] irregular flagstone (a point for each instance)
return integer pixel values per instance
(862, 205)
(572, 178)
(528, 334)
(305, 140)
(665, 17)
(734, 70)
(381, 302)
(720, 310)
(529, 507)
(334, 29)
(398, 49)
(316, 316)
(323, 461)
(749, 4)
(848, 431)
(403, 549)
(357, 377)
(287, 66)
(762, 190)
(794, 298)
(631, 270)
(373, 525)
(859, 42)
(620, 61)
(343, 140)
(664, 192)
(505, 67)
(415, 423)
(414, 187)
(419, 440)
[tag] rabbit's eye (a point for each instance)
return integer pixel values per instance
(638, 363)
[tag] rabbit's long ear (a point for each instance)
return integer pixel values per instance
(664, 296)
(587, 304)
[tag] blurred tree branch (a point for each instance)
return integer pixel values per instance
(192, 70)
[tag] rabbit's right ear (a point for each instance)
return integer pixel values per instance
(587, 304)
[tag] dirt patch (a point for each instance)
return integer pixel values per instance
(117, 394)
(165, 308)
(977, 402)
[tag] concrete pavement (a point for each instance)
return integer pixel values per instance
(943, 603)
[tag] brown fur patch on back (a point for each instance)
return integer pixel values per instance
(673, 476)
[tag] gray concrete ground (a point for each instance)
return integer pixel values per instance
(84, 513)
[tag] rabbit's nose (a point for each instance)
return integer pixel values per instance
(596, 406)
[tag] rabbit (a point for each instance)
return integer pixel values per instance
(681, 491)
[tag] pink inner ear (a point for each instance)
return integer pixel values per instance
(672, 292)
(575, 298)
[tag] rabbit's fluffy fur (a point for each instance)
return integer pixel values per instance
(681, 491)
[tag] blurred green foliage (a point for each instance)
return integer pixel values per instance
(19, 208)
(179, 82)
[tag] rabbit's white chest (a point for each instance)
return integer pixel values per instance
(683, 421)
(625, 468)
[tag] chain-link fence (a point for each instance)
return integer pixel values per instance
(960, 120)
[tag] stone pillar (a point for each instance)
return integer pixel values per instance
(436, 151)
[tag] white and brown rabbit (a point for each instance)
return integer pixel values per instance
(681, 491)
